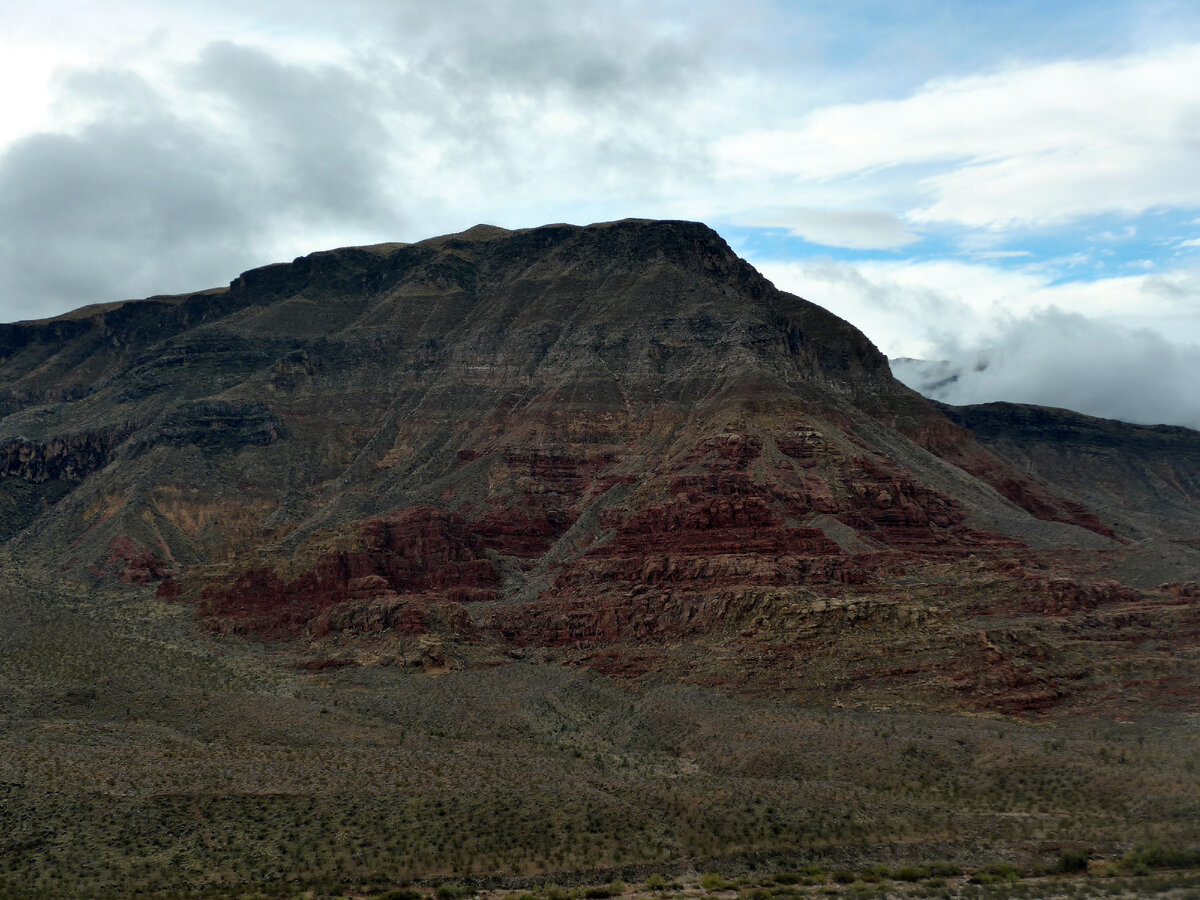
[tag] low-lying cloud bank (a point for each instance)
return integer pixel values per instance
(1066, 360)
(975, 333)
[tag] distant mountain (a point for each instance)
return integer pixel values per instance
(610, 438)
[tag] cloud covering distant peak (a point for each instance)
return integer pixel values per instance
(1066, 360)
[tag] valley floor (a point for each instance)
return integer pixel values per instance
(140, 756)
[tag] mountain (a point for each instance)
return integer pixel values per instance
(514, 458)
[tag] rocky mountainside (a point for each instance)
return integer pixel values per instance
(616, 446)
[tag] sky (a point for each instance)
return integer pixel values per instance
(1008, 191)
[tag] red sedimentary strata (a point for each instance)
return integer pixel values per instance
(705, 554)
(1051, 595)
(407, 561)
(546, 491)
(133, 563)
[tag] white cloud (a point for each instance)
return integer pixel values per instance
(856, 229)
(914, 309)
(1038, 145)
(1066, 360)
(1124, 347)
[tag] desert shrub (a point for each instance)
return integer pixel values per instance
(996, 873)
(943, 869)
(712, 881)
(656, 882)
(400, 894)
(876, 874)
(448, 891)
(1154, 856)
(910, 873)
(844, 876)
(1072, 861)
(602, 891)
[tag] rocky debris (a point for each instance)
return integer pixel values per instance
(1189, 589)
(958, 446)
(168, 589)
(1144, 480)
(67, 458)
(132, 563)
(1063, 596)
(570, 619)
(395, 614)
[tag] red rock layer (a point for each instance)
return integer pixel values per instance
(421, 552)
(133, 563)
(703, 556)
(538, 498)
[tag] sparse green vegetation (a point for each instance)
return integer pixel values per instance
(712, 881)
(223, 775)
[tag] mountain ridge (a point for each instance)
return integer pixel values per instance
(502, 439)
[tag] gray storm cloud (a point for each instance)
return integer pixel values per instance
(237, 157)
(147, 197)
(1066, 360)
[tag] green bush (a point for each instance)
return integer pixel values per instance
(602, 891)
(1146, 856)
(712, 881)
(656, 882)
(944, 869)
(996, 873)
(400, 894)
(875, 874)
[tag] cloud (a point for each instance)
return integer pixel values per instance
(1124, 347)
(149, 195)
(107, 211)
(174, 170)
(851, 228)
(1028, 145)
(1066, 360)
(914, 308)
